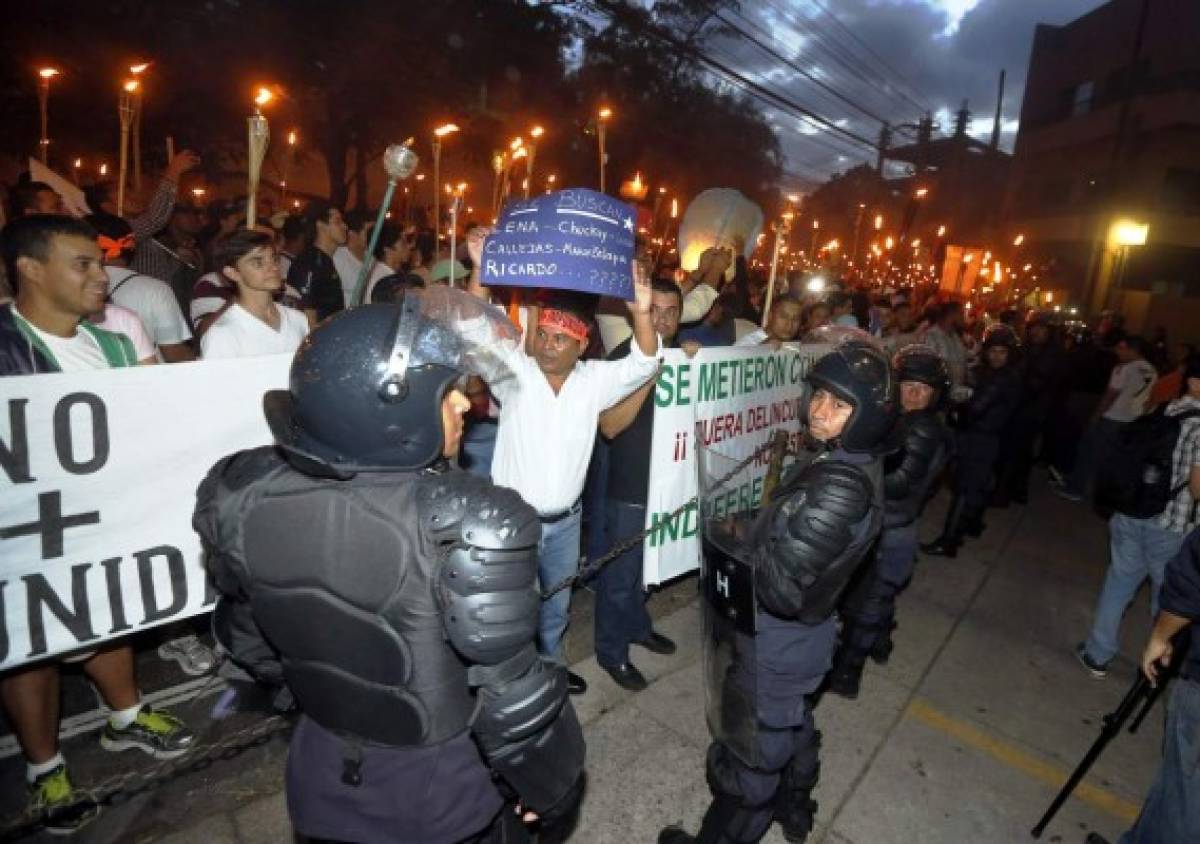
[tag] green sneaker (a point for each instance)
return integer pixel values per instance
(63, 810)
(158, 733)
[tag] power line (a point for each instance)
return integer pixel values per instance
(770, 51)
(613, 10)
(871, 51)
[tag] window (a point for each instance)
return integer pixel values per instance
(1081, 101)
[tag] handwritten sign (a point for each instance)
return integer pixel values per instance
(570, 240)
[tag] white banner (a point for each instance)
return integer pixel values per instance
(732, 399)
(99, 477)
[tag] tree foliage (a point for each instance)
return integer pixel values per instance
(359, 74)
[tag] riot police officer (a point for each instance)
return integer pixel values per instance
(394, 595)
(787, 567)
(996, 393)
(924, 443)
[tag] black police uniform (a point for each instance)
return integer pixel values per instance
(994, 399)
(808, 542)
(395, 597)
(909, 475)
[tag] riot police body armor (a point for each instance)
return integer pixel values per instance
(798, 554)
(923, 445)
(395, 597)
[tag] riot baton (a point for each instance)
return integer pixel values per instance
(1111, 726)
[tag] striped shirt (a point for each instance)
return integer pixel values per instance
(1181, 514)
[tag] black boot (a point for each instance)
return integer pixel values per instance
(846, 675)
(947, 544)
(881, 651)
(795, 810)
(722, 824)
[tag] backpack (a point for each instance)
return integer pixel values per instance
(1135, 478)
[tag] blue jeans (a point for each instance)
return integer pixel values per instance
(1171, 812)
(1098, 441)
(478, 445)
(595, 493)
(558, 558)
(621, 616)
(1138, 548)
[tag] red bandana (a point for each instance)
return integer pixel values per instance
(112, 249)
(572, 326)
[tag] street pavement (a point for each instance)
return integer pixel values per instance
(965, 736)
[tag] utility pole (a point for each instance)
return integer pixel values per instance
(885, 139)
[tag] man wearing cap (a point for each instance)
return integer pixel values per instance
(548, 418)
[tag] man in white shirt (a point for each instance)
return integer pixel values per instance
(253, 324)
(150, 298)
(348, 259)
(1129, 386)
(61, 281)
(548, 419)
(945, 339)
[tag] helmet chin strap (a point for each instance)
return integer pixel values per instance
(393, 388)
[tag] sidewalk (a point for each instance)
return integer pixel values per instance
(964, 737)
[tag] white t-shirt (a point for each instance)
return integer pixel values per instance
(153, 301)
(544, 441)
(1132, 382)
(124, 321)
(348, 268)
(238, 334)
(72, 354)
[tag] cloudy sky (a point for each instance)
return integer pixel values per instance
(886, 59)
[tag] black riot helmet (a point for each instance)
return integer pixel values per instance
(366, 386)
(857, 371)
(921, 362)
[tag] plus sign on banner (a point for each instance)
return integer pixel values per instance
(571, 240)
(98, 477)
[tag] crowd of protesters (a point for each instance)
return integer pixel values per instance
(178, 282)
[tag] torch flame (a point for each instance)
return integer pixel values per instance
(445, 129)
(292, 138)
(263, 96)
(48, 72)
(536, 132)
(135, 69)
(131, 85)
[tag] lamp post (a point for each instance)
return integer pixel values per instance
(534, 133)
(287, 166)
(125, 113)
(438, 134)
(44, 77)
(258, 136)
(602, 118)
(137, 70)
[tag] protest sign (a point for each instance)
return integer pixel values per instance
(570, 240)
(731, 399)
(97, 488)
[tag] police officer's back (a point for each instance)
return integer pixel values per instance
(394, 596)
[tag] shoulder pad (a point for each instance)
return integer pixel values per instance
(842, 489)
(924, 433)
(459, 505)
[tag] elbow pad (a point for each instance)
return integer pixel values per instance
(528, 730)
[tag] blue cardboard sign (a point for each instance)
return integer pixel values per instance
(574, 239)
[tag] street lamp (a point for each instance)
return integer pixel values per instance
(438, 134)
(535, 133)
(44, 77)
(602, 118)
(125, 114)
(137, 70)
(1124, 234)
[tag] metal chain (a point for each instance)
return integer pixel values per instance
(590, 568)
(130, 783)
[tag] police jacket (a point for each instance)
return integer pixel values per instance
(909, 472)
(996, 396)
(815, 531)
(400, 609)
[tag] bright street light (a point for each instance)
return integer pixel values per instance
(1129, 233)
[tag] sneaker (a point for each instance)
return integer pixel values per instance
(1094, 668)
(1068, 495)
(158, 733)
(63, 810)
(193, 656)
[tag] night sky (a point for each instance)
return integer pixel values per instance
(932, 53)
